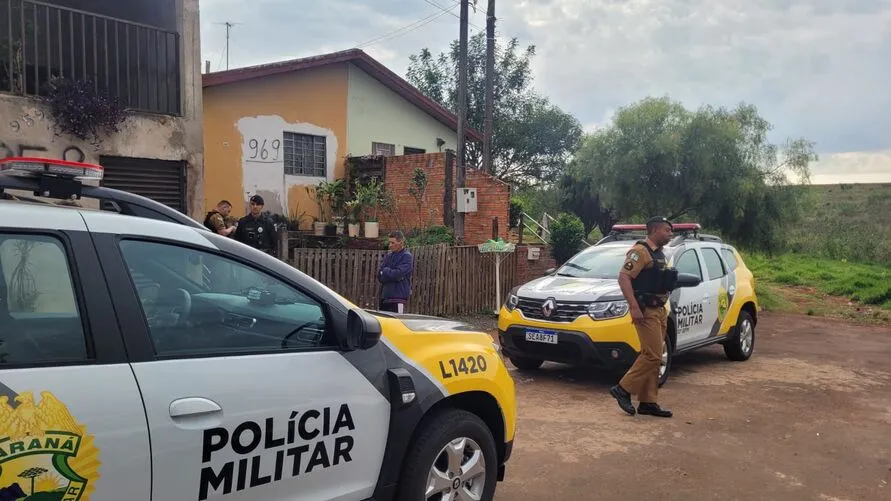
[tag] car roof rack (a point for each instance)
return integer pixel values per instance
(62, 182)
(682, 231)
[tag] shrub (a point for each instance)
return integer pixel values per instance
(567, 235)
(517, 207)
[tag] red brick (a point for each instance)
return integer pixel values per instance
(493, 198)
(529, 270)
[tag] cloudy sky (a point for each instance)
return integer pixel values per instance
(814, 68)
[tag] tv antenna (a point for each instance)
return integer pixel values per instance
(229, 27)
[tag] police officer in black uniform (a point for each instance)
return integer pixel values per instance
(646, 282)
(257, 229)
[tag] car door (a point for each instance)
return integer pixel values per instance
(689, 304)
(715, 290)
(246, 394)
(72, 423)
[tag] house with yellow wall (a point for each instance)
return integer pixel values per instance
(275, 129)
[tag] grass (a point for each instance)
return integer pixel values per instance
(863, 283)
(839, 259)
(822, 287)
(846, 221)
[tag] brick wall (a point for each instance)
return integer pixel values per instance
(398, 179)
(493, 198)
(529, 270)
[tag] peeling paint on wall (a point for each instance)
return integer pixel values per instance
(263, 159)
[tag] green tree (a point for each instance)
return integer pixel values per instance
(713, 165)
(532, 138)
(567, 235)
(578, 194)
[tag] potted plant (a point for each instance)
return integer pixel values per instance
(368, 195)
(319, 222)
(352, 209)
(332, 196)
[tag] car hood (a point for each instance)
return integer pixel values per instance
(427, 323)
(571, 289)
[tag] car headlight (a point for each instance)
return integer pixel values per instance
(512, 301)
(608, 309)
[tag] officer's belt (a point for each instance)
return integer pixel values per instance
(649, 299)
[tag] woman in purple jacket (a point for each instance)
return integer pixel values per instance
(395, 275)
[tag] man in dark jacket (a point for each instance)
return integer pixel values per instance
(395, 275)
(256, 229)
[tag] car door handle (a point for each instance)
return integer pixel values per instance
(193, 406)
(732, 289)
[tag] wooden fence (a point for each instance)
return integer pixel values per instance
(446, 280)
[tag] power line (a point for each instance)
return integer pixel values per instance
(406, 29)
(440, 7)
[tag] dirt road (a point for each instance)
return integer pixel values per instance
(807, 418)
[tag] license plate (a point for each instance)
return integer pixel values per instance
(539, 336)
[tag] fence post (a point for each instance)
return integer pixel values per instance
(283, 243)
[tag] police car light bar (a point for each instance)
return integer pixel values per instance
(35, 166)
(620, 228)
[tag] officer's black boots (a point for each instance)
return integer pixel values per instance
(623, 397)
(653, 410)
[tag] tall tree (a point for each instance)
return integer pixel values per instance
(713, 164)
(532, 138)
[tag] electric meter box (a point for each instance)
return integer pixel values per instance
(466, 200)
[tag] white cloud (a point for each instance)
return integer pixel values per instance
(814, 68)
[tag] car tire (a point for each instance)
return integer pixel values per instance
(526, 364)
(740, 346)
(668, 357)
(439, 439)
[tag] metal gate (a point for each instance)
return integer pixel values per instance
(161, 180)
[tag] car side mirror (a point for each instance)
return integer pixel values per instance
(363, 330)
(550, 271)
(687, 280)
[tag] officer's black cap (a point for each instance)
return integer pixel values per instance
(257, 199)
(659, 219)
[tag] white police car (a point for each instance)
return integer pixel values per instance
(149, 360)
(577, 314)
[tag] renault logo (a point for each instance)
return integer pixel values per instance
(547, 309)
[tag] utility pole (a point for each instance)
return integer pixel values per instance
(462, 112)
(490, 88)
(228, 29)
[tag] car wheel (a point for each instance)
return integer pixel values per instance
(526, 364)
(453, 457)
(665, 363)
(741, 345)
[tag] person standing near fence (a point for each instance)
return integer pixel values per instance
(395, 275)
(257, 229)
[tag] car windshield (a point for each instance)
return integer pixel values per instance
(599, 262)
(596, 262)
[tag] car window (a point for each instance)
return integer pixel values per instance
(730, 257)
(595, 262)
(198, 303)
(713, 263)
(689, 263)
(40, 321)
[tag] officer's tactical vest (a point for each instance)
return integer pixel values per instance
(207, 220)
(652, 280)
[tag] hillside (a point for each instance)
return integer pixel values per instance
(839, 263)
(847, 221)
